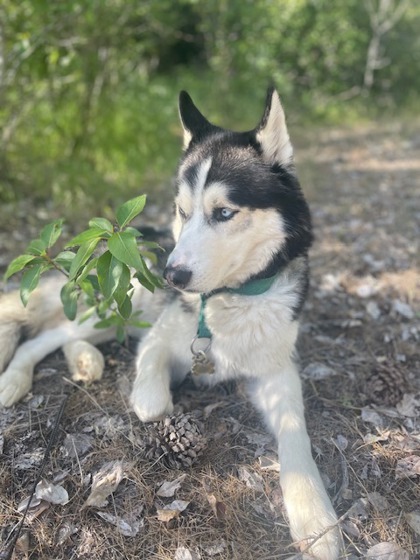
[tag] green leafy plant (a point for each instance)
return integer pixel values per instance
(109, 291)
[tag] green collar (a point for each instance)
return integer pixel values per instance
(251, 288)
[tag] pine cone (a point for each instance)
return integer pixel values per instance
(386, 385)
(177, 441)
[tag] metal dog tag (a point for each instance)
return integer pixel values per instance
(201, 362)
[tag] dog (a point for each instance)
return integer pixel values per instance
(239, 273)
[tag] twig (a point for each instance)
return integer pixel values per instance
(95, 402)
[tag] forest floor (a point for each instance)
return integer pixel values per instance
(360, 362)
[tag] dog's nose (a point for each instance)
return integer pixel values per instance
(177, 277)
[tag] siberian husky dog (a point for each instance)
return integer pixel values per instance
(240, 271)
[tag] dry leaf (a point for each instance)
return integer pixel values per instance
(409, 405)
(379, 502)
(341, 442)
(269, 463)
(54, 494)
(216, 548)
(168, 488)
(252, 479)
(77, 445)
(388, 551)
(24, 504)
(22, 544)
(402, 309)
(172, 510)
(166, 515)
(413, 519)
(317, 371)
(182, 553)
(104, 483)
(218, 507)
(372, 417)
(129, 527)
(65, 531)
(408, 467)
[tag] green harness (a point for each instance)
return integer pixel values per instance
(251, 288)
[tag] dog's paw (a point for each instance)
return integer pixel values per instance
(85, 361)
(14, 384)
(151, 401)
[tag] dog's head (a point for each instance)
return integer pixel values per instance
(239, 209)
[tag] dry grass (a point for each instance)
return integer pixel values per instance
(365, 269)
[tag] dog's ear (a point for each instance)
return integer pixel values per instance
(272, 132)
(195, 125)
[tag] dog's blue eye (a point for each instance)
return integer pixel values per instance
(223, 214)
(182, 213)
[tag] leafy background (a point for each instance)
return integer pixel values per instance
(88, 88)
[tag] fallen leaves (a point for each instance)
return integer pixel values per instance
(51, 493)
(105, 482)
(168, 488)
(128, 525)
(172, 510)
(408, 467)
(388, 551)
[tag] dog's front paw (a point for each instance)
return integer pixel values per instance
(151, 400)
(14, 384)
(85, 361)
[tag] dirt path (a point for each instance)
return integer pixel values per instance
(360, 358)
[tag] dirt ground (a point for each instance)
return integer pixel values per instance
(360, 361)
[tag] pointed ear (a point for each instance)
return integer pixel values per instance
(195, 125)
(272, 132)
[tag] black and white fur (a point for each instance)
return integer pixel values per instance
(240, 215)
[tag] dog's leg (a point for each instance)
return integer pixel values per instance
(18, 323)
(16, 380)
(162, 354)
(308, 506)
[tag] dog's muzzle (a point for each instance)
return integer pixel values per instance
(177, 277)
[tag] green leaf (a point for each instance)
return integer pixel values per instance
(51, 232)
(87, 269)
(36, 247)
(133, 231)
(126, 308)
(148, 279)
(84, 252)
(101, 223)
(109, 270)
(124, 248)
(30, 281)
(18, 264)
(120, 334)
(129, 210)
(124, 285)
(151, 256)
(88, 286)
(87, 314)
(139, 324)
(106, 323)
(69, 296)
(151, 244)
(88, 235)
(64, 259)
(144, 281)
